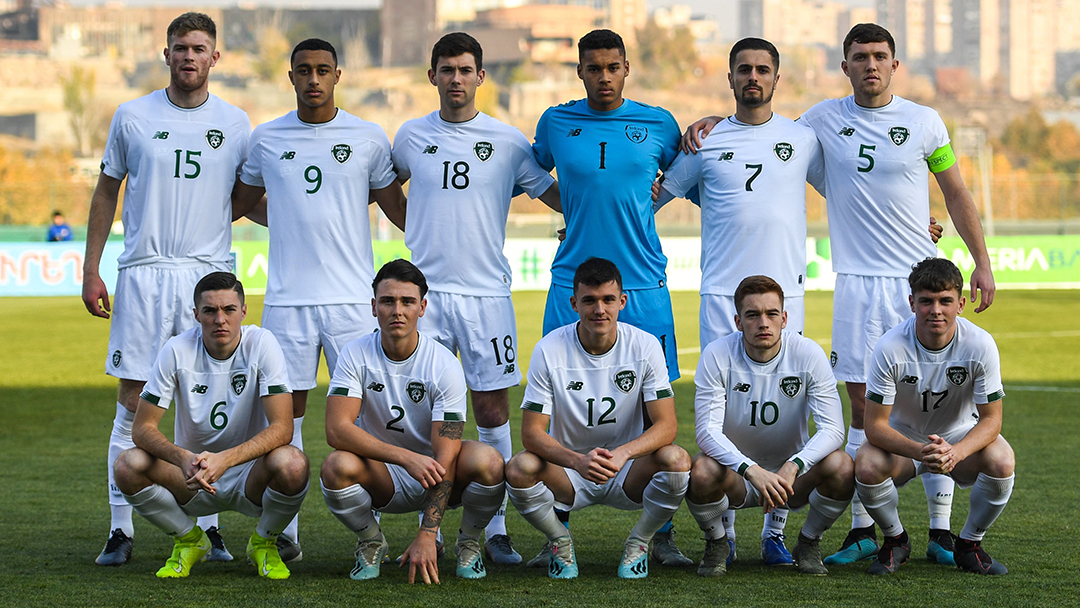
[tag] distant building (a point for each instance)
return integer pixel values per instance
(1008, 45)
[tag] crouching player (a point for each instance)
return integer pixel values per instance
(756, 390)
(933, 404)
(594, 382)
(232, 432)
(394, 416)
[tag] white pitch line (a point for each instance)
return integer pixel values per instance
(1043, 389)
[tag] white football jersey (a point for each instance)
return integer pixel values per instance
(934, 392)
(181, 165)
(394, 394)
(596, 400)
(877, 182)
(752, 186)
(748, 413)
(462, 177)
(218, 402)
(317, 179)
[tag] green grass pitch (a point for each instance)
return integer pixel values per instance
(56, 408)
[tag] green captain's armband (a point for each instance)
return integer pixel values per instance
(941, 159)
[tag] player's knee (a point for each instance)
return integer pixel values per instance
(523, 470)
(871, 465)
(130, 469)
(672, 458)
(480, 463)
(1000, 460)
(705, 477)
(340, 470)
(839, 470)
(289, 467)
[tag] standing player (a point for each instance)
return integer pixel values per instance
(934, 404)
(878, 150)
(232, 430)
(606, 151)
(464, 166)
(756, 391)
(394, 416)
(318, 166)
(180, 149)
(751, 176)
(593, 382)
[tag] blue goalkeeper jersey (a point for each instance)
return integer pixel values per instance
(606, 163)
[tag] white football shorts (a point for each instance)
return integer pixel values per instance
(864, 308)
(230, 496)
(151, 305)
(588, 493)
(483, 330)
(303, 330)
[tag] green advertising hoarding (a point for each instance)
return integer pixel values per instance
(251, 260)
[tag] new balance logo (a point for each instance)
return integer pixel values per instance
(909, 379)
(375, 386)
(199, 388)
(726, 156)
(575, 385)
(288, 155)
(509, 369)
(574, 133)
(161, 135)
(430, 149)
(741, 387)
(846, 131)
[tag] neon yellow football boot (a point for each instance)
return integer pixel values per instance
(263, 552)
(188, 550)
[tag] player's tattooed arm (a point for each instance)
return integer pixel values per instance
(445, 446)
(435, 505)
(452, 430)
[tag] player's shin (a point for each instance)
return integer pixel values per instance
(821, 515)
(774, 523)
(292, 531)
(159, 507)
(120, 440)
(478, 505)
(859, 517)
(537, 506)
(277, 511)
(659, 502)
(988, 498)
(881, 502)
(939, 497)
(709, 517)
(499, 438)
(352, 507)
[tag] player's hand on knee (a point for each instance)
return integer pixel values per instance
(95, 296)
(425, 470)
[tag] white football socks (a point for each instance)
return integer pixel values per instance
(120, 440)
(499, 438)
(352, 507)
(988, 498)
(710, 518)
